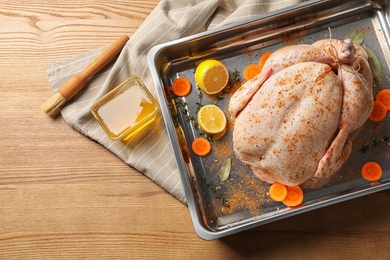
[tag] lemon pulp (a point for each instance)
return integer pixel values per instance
(212, 120)
(211, 76)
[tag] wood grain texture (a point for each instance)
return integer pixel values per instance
(64, 196)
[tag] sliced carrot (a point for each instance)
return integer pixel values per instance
(371, 171)
(264, 58)
(379, 112)
(251, 71)
(294, 196)
(201, 146)
(277, 191)
(181, 87)
(383, 96)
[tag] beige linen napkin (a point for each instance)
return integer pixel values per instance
(151, 153)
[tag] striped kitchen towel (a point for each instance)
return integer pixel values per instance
(151, 153)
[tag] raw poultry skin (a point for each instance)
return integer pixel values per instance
(293, 121)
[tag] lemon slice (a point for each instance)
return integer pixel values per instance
(211, 119)
(211, 76)
(219, 135)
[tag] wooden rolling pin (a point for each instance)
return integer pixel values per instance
(76, 83)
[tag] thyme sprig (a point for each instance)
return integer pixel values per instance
(191, 118)
(236, 75)
(219, 195)
(374, 142)
(182, 106)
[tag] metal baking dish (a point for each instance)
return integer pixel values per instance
(238, 45)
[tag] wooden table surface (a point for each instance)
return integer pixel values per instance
(65, 196)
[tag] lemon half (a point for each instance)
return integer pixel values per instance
(212, 120)
(211, 76)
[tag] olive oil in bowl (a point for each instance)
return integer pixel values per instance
(125, 110)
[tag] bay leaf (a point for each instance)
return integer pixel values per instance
(224, 172)
(375, 66)
(356, 36)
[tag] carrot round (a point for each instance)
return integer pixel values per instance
(294, 196)
(251, 71)
(264, 57)
(277, 191)
(371, 171)
(379, 112)
(383, 96)
(201, 146)
(181, 87)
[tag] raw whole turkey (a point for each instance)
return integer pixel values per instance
(294, 120)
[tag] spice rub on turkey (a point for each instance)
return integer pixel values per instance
(293, 121)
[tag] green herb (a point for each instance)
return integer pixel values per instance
(236, 75)
(220, 196)
(375, 66)
(224, 172)
(199, 103)
(356, 36)
(181, 103)
(198, 106)
(365, 148)
(191, 118)
(374, 142)
(200, 93)
(220, 97)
